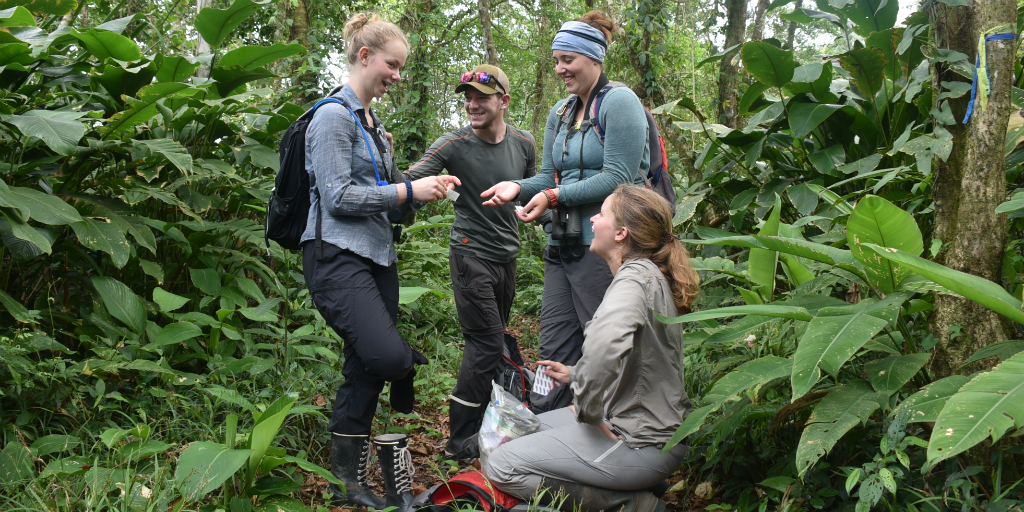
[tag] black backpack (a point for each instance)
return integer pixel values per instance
(658, 178)
(512, 374)
(288, 209)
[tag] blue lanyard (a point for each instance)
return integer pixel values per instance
(366, 138)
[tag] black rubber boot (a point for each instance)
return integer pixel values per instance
(464, 422)
(350, 459)
(396, 466)
(577, 497)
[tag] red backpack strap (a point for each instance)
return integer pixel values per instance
(596, 107)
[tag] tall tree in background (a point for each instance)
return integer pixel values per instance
(539, 108)
(728, 96)
(414, 110)
(202, 47)
(490, 50)
(306, 83)
(972, 183)
(757, 29)
(791, 32)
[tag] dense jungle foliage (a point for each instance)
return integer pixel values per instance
(155, 355)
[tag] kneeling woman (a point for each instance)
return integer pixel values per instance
(602, 452)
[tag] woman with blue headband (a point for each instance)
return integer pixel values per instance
(585, 158)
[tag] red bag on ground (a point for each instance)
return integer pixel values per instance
(467, 489)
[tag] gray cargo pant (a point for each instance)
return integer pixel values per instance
(572, 292)
(612, 474)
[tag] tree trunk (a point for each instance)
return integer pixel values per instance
(490, 50)
(202, 47)
(969, 187)
(306, 84)
(757, 31)
(415, 114)
(728, 99)
(791, 33)
(540, 110)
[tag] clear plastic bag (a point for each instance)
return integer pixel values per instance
(504, 420)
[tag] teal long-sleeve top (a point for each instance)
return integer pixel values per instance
(622, 158)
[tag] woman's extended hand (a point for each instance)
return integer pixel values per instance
(558, 372)
(503, 192)
(536, 207)
(433, 188)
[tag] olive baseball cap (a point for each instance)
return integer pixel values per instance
(494, 80)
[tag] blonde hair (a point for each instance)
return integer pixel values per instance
(600, 21)
(648, 220)
(372, 32)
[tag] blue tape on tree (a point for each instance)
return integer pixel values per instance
(977, 64)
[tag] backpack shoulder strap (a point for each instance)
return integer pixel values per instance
(594, 120)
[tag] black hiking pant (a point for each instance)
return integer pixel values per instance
(359, 300)
(484, 291)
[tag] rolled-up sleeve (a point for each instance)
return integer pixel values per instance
(625, 139)
(333, 161)
(609, 339)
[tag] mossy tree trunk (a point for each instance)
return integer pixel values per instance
(490, 50)
(969, 187)
(728, 81)
(306, 83)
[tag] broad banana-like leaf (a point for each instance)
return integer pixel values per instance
(103, 236)
(104, 44)
(888, 375)
(750, 374)
(834, 336)
(834, 416)
(794, 312)
(986, 407)
(172, 150)
(926, 404)
(877, 221)
(45, 208)
(204, 466)
(771, 65)
(1003, 350)
(762, 263)
(144, 108)
(975, 288)
(215, 25)
(60, 130)
(250, 57)
(265, 430)
(121, 302)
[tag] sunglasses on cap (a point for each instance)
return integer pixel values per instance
(482, 77)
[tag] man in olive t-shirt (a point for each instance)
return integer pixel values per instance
(484, 240)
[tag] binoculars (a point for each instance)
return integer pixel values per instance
(567, 224)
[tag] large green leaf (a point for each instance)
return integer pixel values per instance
(175, 68)
(250, 57)
(48, 7)
(772, 310)
(975, 288)
(834, 336)
(867, 69)
(877, 221)
(167, 300)
(60, 130)
(748, 375)
(21, 230)
(215, 25)
(986, 407)
(762, 263)
(871, 15)
(17, 16)
(170, 149)
(204, 466)
(834, 416)
(177, 332)
(230, 78)
(15, 464)
(104, 44)
(103, 236)
(121, 302)
(265, 430)
(279, 503)
(206, 279)
(45, 208)
(122, 82)
(926, 404)
(805, 117)
(15, 308)
(768, 63)
(888, 375)
(1003, 350)
(143, 109)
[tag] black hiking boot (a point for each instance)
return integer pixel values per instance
(350, 459)
(464, 422)
(396, 466)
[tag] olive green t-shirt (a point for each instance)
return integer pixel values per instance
(486, 232)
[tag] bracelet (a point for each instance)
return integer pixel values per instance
(552, 198)
(408, 191)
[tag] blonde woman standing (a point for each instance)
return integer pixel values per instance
(349, 259)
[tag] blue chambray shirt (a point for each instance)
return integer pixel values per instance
(339, 165)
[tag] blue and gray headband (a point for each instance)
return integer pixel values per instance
(576, 36)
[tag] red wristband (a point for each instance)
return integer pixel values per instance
(552, 198)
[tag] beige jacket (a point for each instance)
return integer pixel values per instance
(631, 372)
